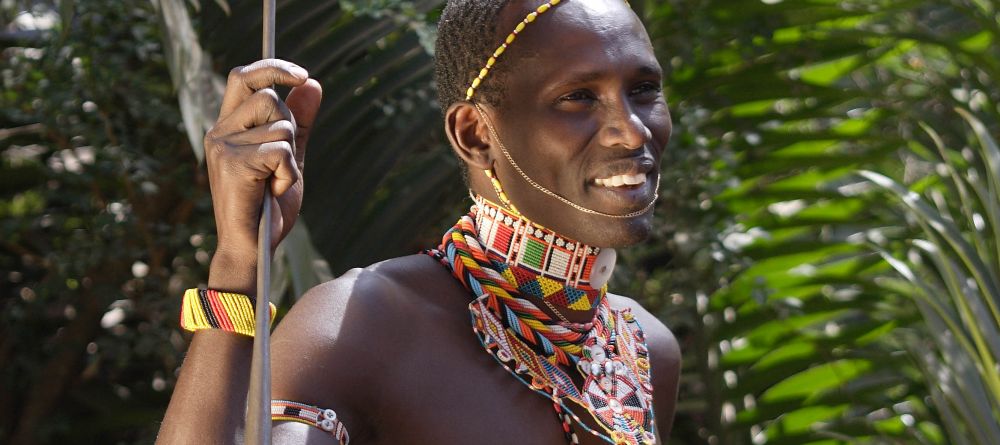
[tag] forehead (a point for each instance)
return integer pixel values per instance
(591, 36)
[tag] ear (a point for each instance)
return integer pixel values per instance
(468, 135)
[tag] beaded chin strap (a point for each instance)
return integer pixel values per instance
(490, 173)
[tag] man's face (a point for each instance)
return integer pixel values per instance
(584, 112)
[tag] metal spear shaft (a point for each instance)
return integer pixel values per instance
(258, 419)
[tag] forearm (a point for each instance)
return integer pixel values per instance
(209, 402)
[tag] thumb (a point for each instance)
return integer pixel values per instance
(303, 101)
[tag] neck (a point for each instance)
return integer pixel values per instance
(564, 278)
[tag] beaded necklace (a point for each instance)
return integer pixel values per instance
(609, 353)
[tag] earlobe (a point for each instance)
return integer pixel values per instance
(467, 134)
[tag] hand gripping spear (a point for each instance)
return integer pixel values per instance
(258, 419)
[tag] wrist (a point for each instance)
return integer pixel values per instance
(234, 271)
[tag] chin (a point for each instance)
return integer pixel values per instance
(622, 233)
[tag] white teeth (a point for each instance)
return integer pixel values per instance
(635, 179)
(620, 180)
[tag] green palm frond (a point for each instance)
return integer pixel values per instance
(952, 270)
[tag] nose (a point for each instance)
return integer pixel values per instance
(624, 129)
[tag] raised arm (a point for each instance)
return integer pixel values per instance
(258, 136)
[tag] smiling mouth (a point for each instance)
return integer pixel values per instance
(625, 180)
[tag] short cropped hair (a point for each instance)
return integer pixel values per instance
(467, 36)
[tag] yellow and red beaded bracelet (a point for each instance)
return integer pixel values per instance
(227, 311)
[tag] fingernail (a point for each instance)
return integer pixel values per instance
(298, 71)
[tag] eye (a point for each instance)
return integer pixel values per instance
(577, 96)
(647, 90)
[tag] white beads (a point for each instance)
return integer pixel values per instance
(326, 424)
(604, 265)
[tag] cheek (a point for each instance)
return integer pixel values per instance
(551, 139)
(659, 122)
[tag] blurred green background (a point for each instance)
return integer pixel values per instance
(826, 248)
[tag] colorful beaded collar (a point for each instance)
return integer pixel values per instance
(544, 264)
(609, 354)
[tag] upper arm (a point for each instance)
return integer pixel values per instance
(300, 433)
(322, 354)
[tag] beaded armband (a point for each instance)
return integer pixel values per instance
(211, 309)
(324, 419)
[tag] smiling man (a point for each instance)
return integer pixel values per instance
(556, 110)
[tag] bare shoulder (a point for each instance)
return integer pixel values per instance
(665, 361)
(659, 338)
(375, 294)
(340, 338)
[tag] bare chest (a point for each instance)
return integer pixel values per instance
(446, 389)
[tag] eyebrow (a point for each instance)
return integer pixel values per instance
(590, 76)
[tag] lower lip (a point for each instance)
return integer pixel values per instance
(627, 197)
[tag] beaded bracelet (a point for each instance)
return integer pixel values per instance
(211, 309)
(324, 419)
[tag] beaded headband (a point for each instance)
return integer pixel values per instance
(503, 46)
(506, 42)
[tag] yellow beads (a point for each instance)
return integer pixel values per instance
(642, 363)
(500, 193)
(510, 39)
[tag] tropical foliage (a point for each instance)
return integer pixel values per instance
(807, 342)
(827, 241)
(104, 220)
(951, 270)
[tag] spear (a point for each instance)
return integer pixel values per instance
(258, 420)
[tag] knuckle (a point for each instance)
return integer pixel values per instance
(275, 149)
(235, 74)
(284, 148)
(285, 128)
(267, 95)
(224, 150)
(264, 63)
(212, 142)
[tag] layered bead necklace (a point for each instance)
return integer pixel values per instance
(500, 257)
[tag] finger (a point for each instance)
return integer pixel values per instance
(303, 101)
(277, 157)
(282, 130)
(245, 80)
(262, 107)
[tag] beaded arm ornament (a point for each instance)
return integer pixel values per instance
(324, 419)
(212, 309)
